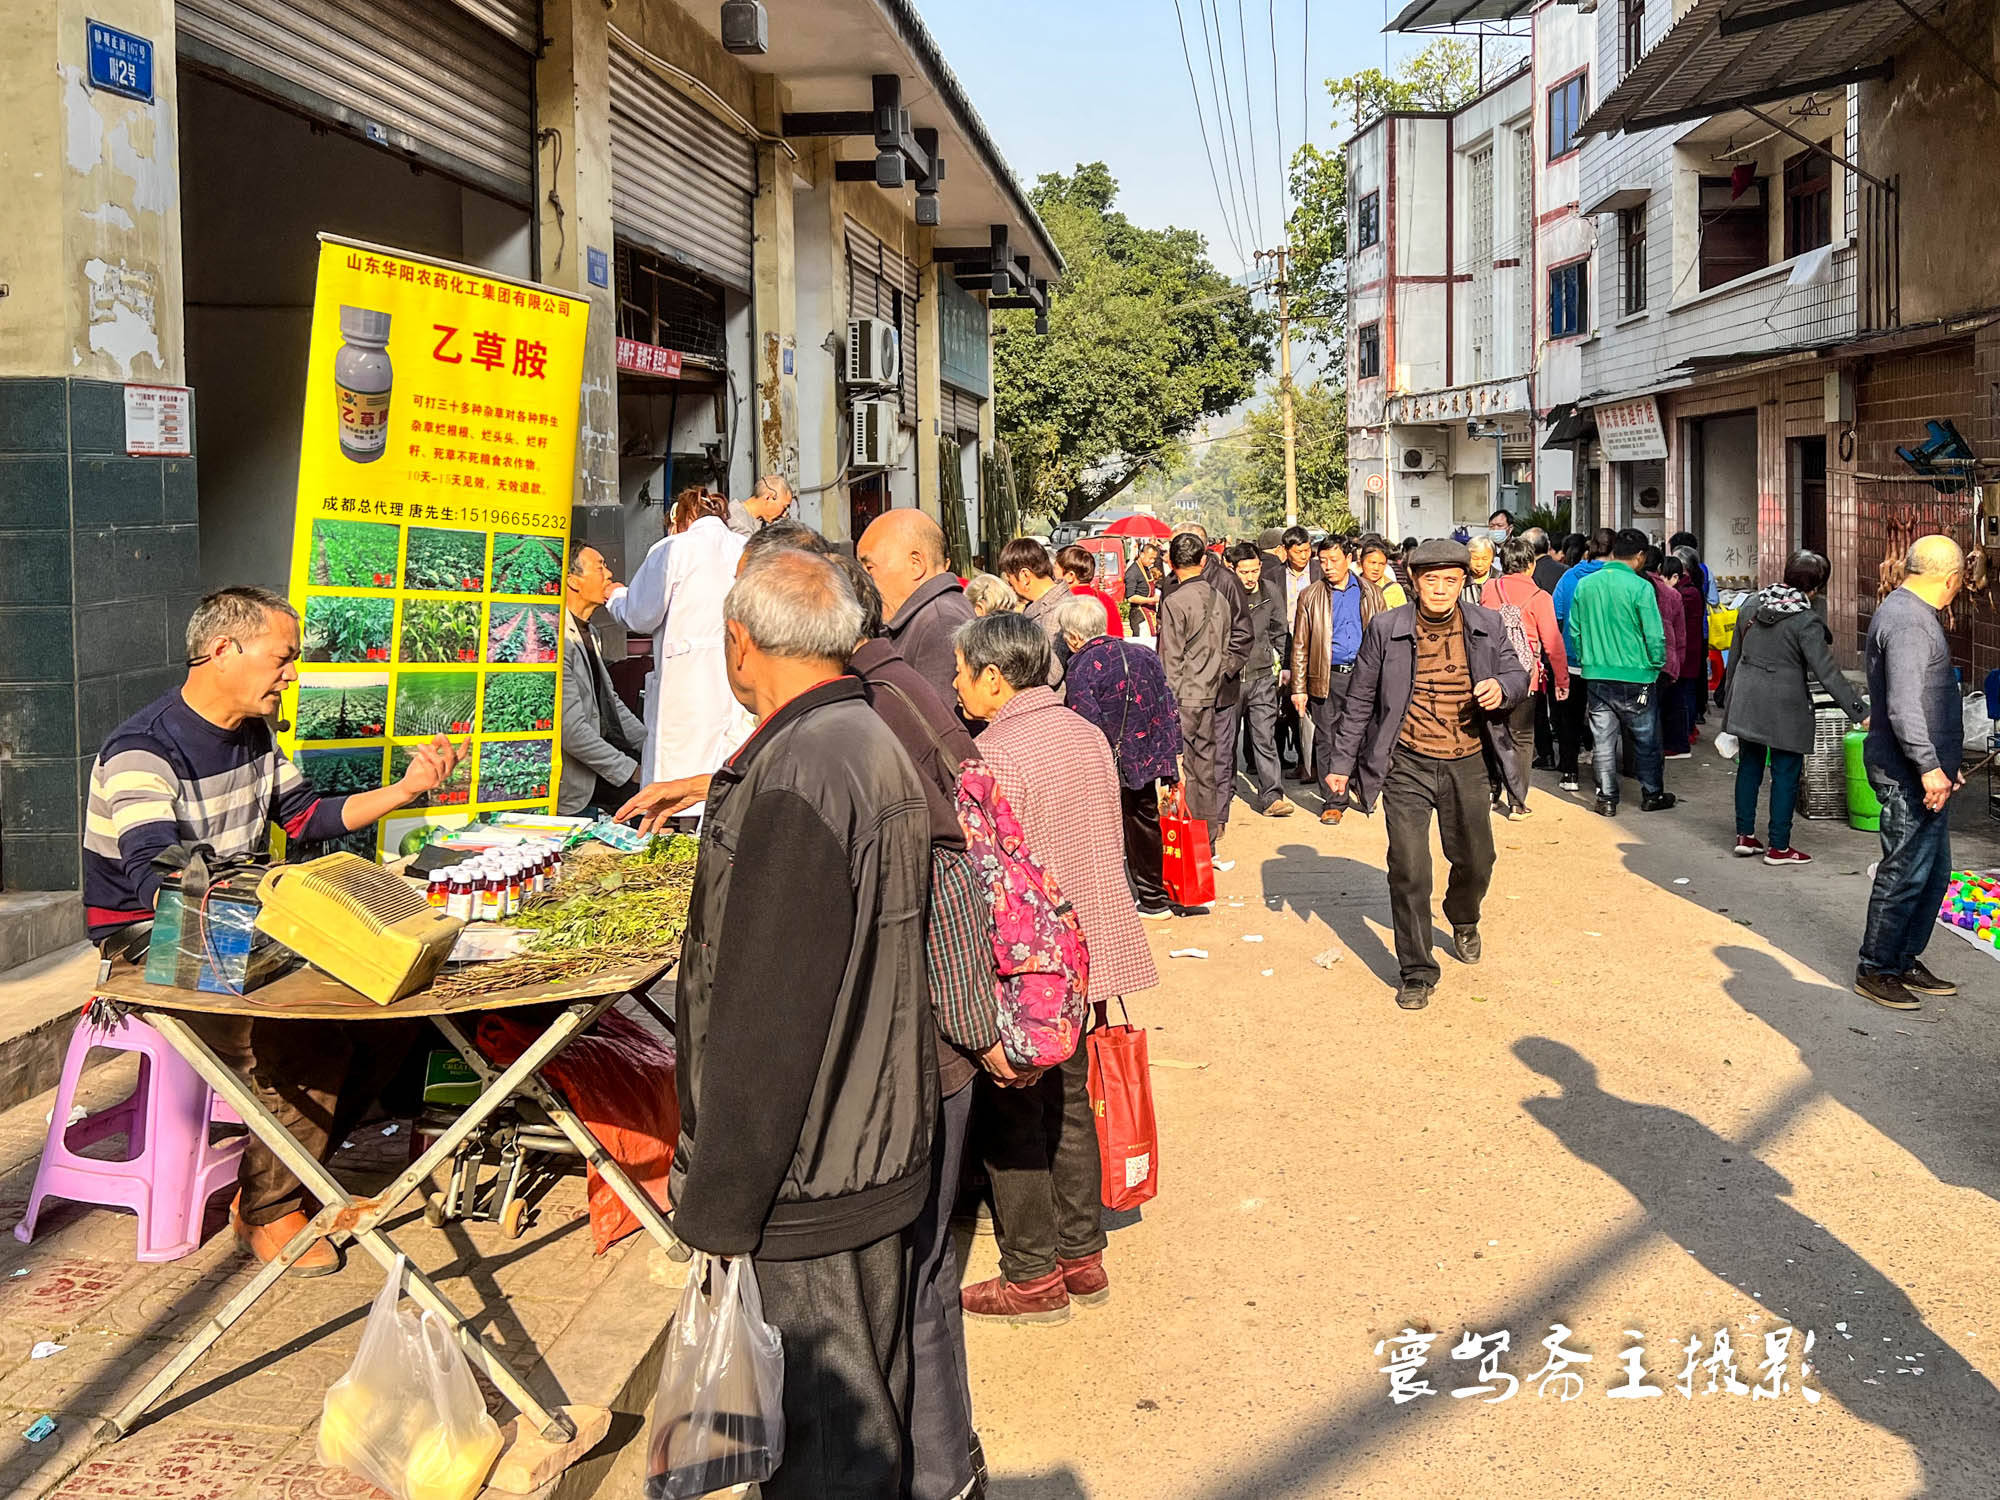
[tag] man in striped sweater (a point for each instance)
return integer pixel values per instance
(201, 766)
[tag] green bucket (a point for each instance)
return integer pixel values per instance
(1864, 811)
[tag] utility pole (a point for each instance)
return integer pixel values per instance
(1285, 384)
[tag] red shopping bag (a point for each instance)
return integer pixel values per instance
(1121, 1098)
(1187, 865)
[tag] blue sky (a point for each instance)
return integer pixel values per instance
(1063, 81)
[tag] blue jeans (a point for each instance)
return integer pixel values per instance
(1635, 706)
(1786, 768)
(1911, 880)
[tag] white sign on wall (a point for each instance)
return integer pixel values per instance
(1630, 431)
(159, 421)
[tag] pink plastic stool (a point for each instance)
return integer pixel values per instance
(171, 1169)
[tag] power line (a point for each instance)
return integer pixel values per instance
(1278, 124)
(1250, 120)
(1201, 121)
(1219, 92)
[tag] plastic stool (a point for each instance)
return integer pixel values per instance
(171, 1169)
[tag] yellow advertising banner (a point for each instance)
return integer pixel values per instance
(435, 473)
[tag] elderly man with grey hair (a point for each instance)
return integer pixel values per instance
(808, 1084)
(1914, 755)
(771, 499)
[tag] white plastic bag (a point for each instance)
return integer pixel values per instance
(407, 1416)
(719, 1417)
(1726, 745)
(1977, 723)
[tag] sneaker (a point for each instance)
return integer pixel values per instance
(1043, 1300)
(1156, 913)
(1190, 911)
(1748, 846)
(1886, 990)
(1085, 1280)
(1924, 982)
(1465, 943)
(1541, 763)
(1568, 783)
(1657, 801)
(1331, 815)
(1681, 755)
(1414, 994)
(1787, 857)
(1279, 809)
(1606, 807)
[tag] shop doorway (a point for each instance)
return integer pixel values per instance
(259, 183)
(1808, 472)
(1721, 460)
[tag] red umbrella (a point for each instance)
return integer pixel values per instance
(1151, 526)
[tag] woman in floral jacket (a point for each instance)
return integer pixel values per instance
(1038, 1134)
(1122, 689)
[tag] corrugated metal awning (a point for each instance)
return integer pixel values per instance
(1731, 54)
(1432, 15)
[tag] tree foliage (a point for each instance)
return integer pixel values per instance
(1319, 418)
(1146, 340)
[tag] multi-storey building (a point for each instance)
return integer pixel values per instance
(719, 209)
(1460, 344)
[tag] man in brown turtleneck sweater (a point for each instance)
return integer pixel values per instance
(1431, 678)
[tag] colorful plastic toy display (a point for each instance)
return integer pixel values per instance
(1972, 902)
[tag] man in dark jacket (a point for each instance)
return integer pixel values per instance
(1270, 645)
(923, 603)
(602, 739)
(1431, 686)
(1914, 752)
(1194, 651)
(1326, 639)
(1228, 701)
(808, 1080)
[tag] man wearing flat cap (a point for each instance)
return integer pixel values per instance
(1431, 688)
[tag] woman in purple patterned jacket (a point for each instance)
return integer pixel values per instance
(1122, 689)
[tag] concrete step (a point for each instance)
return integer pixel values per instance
(34, 923)
(39, 1003)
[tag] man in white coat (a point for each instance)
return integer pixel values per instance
(693, 721)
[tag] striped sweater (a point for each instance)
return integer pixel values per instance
(168, 776)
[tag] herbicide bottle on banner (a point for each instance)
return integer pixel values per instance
(436, 466)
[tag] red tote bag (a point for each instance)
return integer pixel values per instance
(1187, 864)
(1121, 1098)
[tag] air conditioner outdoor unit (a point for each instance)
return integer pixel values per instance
(1421, 460)
(875, 431)
(874, 353)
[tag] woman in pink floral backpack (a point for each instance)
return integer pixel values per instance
(1056, 770)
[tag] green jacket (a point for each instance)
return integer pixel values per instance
(1616, 620)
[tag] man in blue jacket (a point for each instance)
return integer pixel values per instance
(1914, 751)
(1433, 680)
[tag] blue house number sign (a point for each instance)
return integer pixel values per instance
(120, 62)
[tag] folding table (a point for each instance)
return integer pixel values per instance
(309, 995)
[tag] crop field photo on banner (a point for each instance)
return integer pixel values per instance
(436, 469)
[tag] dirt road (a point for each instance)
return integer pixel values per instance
(1655, 1106)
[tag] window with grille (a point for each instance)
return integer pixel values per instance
(1808, 203)
(1368, 221)
(1479, 255)
(662, 303)
(1735, 229)
(1368, 352)
(1632, 254)
(1569, 288)
(1522, 249)
(1566, 116)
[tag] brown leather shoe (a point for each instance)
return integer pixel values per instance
(1042, 1300)
(265, 1241)
(1085, 1280)
(1331, 815)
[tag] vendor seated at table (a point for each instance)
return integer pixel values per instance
(201, 766)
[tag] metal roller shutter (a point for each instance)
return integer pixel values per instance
(881, 284)
(419, 76)
(960, 413)
(682, 182)
(520, 21)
